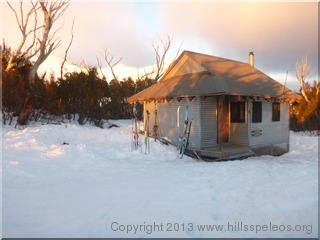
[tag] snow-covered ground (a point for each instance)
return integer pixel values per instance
(94, 186)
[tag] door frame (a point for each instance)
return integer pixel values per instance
(223, 115)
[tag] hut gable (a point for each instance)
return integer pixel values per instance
(185, 65)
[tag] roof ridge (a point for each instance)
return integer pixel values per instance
(207, 55)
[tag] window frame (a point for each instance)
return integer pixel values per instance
(241, 115)
(254, 117)
(276, 112)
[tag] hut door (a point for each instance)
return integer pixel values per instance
(223, 119)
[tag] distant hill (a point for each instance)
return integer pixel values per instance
(52, 65)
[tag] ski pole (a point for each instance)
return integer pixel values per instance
(155, 126)
(178, 112)
(148, 132)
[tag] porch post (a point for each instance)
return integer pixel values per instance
(144, 114)
(220, 121)
(249, 120)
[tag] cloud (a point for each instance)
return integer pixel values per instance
(278, 33)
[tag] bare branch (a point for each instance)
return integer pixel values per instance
(33, 10)
(66, 52)
(15, 13)
(109, 61)
(56, 8)
(54, 33)
(85, 65)
(100, 67)
(23, 29)
(34, 30)
(66, 4)
(161, 56)
(21, 12)
(146, 74)
(178, 52)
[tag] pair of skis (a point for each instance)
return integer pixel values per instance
(156, 131)
(135, 135)
(135, 143)
(146, 133)
(156, 127)
(183, 142)
(135, 131)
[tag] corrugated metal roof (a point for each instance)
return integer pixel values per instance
(223, 76)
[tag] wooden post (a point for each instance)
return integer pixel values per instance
(144, 114)
(249, 120)
(220, 121)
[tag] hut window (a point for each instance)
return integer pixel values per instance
(237, 112)
(256, 112)
(275, 111)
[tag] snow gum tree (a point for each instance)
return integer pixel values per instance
(44, 40)
(305, 114)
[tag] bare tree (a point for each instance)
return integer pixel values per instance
(43, 45)
(110, 61)
(161, 56)
(302, 73)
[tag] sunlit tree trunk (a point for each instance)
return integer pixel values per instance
(52, 11)
(302, 73)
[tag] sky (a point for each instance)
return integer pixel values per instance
(279, 33)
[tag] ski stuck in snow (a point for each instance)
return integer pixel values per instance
(184, 139)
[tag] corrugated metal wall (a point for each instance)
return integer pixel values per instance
(167, 118)
(204, 127)
(208, 122)
(239, 134)
(271, 132)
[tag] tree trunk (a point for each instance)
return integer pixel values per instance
(33, 72)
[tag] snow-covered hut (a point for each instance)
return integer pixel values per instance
(237, 110)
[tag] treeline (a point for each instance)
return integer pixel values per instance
(85, 96)
(82, 94)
